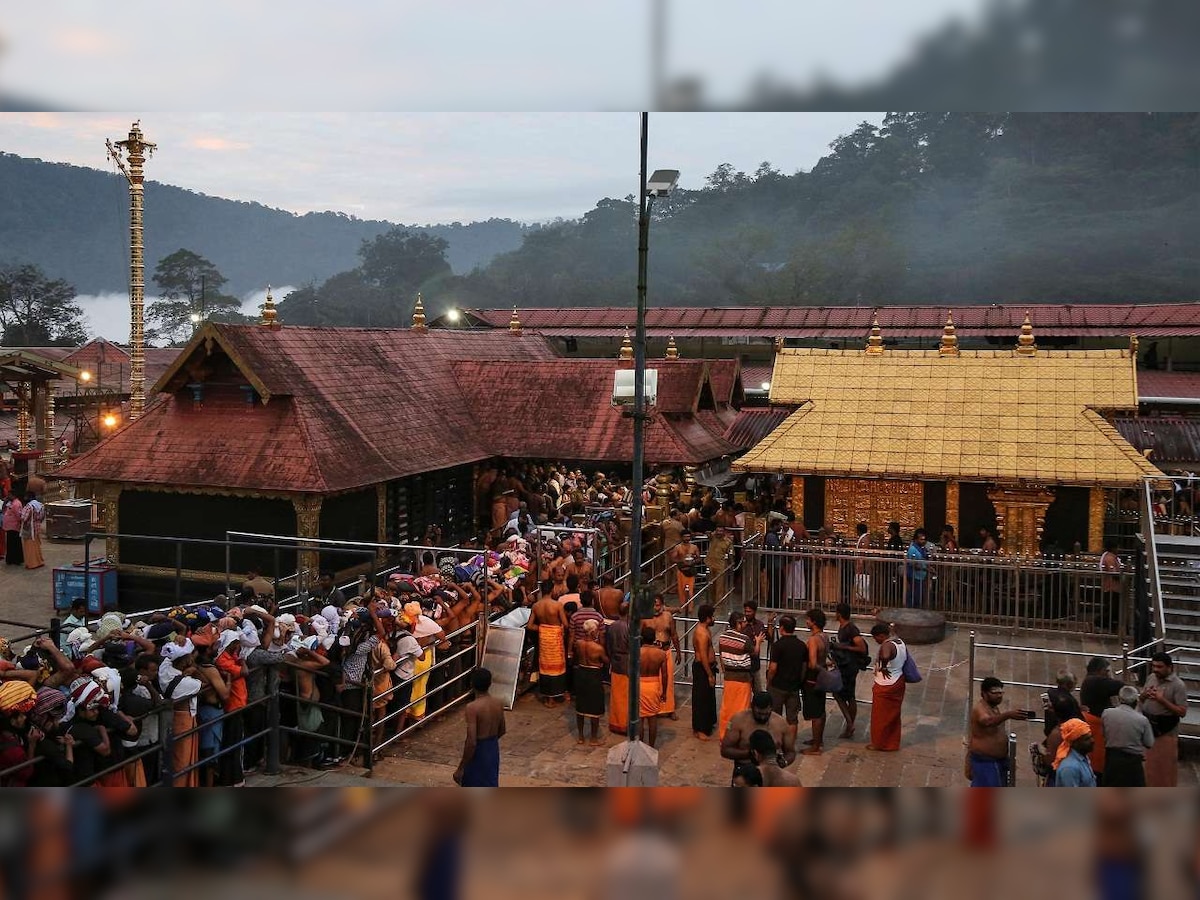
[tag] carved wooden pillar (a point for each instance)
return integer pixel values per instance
(108, 497)
(382, 524)
(952, 507)
(1021, 517)
(308, 525)
(41, 427)
(1097, 505)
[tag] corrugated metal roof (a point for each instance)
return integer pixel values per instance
(1185, 385)
(1058, 320)
(1173, 439)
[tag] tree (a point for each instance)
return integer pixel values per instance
(402, 262)
(187, 283)
(36, 311)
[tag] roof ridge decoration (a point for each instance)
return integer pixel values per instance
(672, 350)
(270, 317)
(514, 324)
(1025, 343)
(626, 347)
(419, 316)
(949, 345)
(875, 341)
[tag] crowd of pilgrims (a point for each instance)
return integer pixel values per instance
(178, 695)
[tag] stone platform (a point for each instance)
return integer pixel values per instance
(914, 626)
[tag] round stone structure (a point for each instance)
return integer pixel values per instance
(914, 626)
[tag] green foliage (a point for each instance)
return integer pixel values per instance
(37, 311)
(188, 284)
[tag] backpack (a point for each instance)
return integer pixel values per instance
(909, 668)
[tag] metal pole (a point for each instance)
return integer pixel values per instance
(273, 766)
(87, 566)
(178, 572)
(228, 565)
(970, 679)
(639, 462)
(1012, 759)
(1125, 662)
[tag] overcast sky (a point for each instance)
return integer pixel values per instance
(423, 168)
(465, 55)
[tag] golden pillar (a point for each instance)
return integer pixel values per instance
(24, 419)
(798, 497)
(108, 498)
(136, 151)
(1097, 506)
(308, 525)
(952, 507)
(1020, 518)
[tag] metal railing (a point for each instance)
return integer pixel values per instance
(1059, 593)
(1152, 575)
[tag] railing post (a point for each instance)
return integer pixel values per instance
(480, 638)
(168, 751)
(228, 566)
(970, 679)
(1012, 759)
(369, 719)
(273, 735)
(1125, 662)
(56, 631)
(178, 572)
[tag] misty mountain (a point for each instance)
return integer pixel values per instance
(74, 223)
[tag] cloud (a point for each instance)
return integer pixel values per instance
(218, 144)
(106, 316)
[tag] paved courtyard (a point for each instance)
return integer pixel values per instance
(540, 748)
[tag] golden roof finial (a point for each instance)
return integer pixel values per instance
(626, 347)
(1133, 345)
(514, 324)
(1025, 343)
(270, 317)
(419, 316)
(672, 350)
(875, 341)
(949, 346)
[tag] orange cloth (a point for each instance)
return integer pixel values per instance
(668, 702)
(552, 654)
(1071, 731)
(1098, 753)
(650, 696)
(687, 590)
(887, 702)
(185, 751)
(618, 704)
(735, 697)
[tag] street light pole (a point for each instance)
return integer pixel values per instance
(639, 452)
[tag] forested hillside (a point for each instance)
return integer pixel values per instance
(73, 222)
(927, 208)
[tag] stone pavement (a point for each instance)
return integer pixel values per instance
(540, 748)
(26, 595)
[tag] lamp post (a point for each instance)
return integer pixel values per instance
(657, 185)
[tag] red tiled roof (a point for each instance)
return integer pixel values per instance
(1152, 383)
(353, 406)
(725, 374)
(971, 321)
(753, 377)
(1174, 439)
(563, 410)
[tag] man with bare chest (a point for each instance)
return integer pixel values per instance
(548, 621)
(989, 739)
(704, 676)
(736, 743)
(665, 638)
(609, 599)
(653, 674)
(480, 766)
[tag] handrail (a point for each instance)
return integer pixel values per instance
(1160, 623)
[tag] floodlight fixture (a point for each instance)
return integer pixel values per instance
(662, 182)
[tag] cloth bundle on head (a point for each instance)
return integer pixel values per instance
(110, 622)
(331, 615)
(17, 697)
(412, 610)
(51, 703)
(1071, 730)
(172, 651)
(226, 639)
(109, 679)
(87, 694)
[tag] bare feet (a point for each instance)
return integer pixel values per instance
(596, 743)
(814, 750)
(846, 735)
(701, 736)
(581, 742)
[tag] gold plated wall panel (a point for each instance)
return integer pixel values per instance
(849, 501)
(1097, 501)
(798, 497)
(1020, 518)
(951, 508)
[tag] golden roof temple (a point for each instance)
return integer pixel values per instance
(879, 426)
